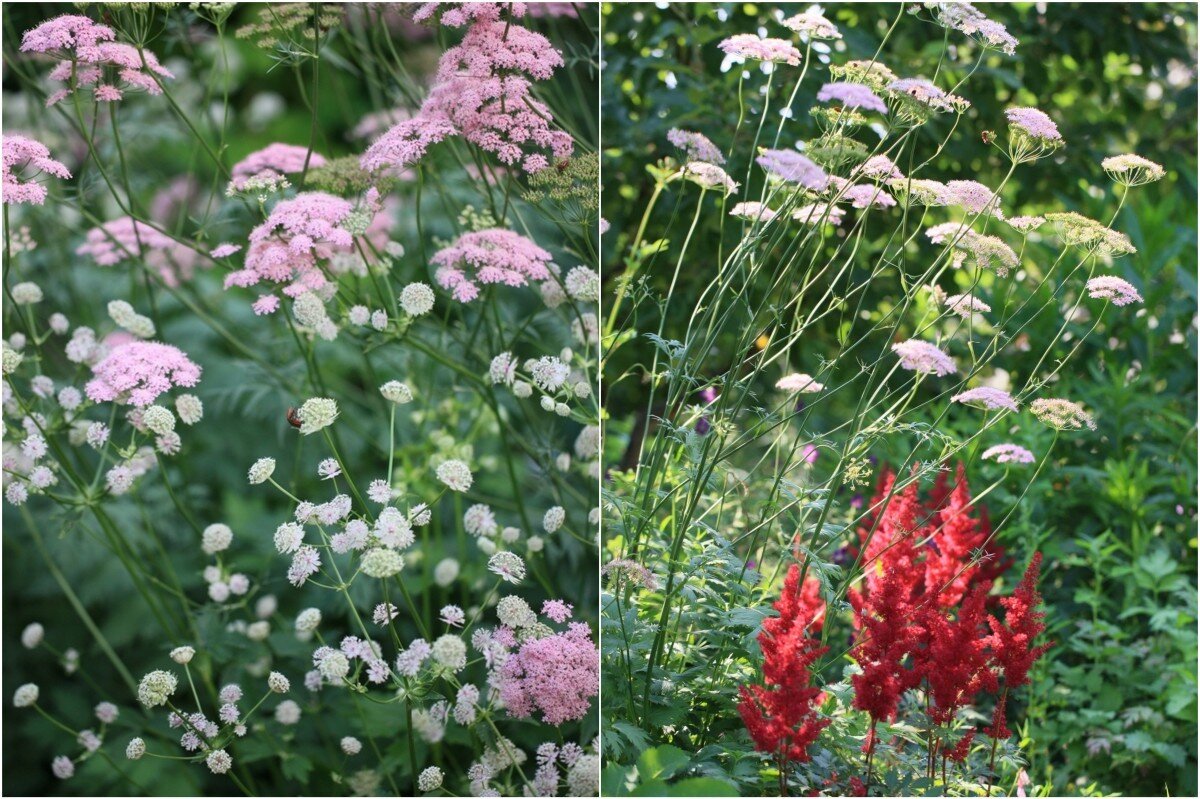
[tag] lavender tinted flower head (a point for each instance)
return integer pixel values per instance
(746, 46)
(923, 358)
(852, 95)
(1110, 287)
(799, 384)
(916, 100)
(988, 398)
(1032, 134)
(709, 176)
(696, 146)
(966, 18)
(793, 167)
(752, 211)
(811, 25)
(1008, 453)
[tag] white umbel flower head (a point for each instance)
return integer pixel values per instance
(445, 572)
(190, 408)
(278, 683)
(261, 471)
(455, 474)
(135, 749)
(63, 767)
(32, 636)
(158, 419)
(219, 761)
(429, 779)
(308, 620)
(554, 519)
(508, 565)
(351, 745)
(416, 299)
(156, 687)
(397, 392)
(450, 651)
(26, 293)
(288, 712)
(106, 712)
(26, 695)
(381, 563)
(316, 414)
(216, 538)
(183, 655)
(583, 284)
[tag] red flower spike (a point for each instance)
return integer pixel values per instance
(780, 715)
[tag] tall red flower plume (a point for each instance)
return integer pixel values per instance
(780, 714)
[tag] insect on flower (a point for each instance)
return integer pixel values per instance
(293, 418)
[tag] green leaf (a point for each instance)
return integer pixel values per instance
(297, 767)
(662, 762)
(703, 786)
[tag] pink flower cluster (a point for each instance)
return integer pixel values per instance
(697, 146)
(556, 675)
(923, 357)
(1110, 287)
(747, 45)
(1034, 124)
(794, 167)
(89, 55)
(852, 95)
(124, 238)
(483, 92)
(286, 247)
(988, 398)
(1008, 453)
(23, 151)
(139, 371)
(494, 256)
(273, 161)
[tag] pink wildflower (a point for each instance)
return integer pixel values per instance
(1034, 124)
(793, 167)
(923, 357)
(1008, 453)
(1109, 287)
(556, 675)
(139, 371)
(988, 398)
(273, 161)
(852, 95)
(557, 610)
(697, 146)
(495, 256)
(746, 45)
(33, 155)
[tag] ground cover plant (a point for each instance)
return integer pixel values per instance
(899, 317)
(300, 399)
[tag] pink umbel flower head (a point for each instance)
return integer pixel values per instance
(89, 56)
(967, 19)
(297, 234)
(483, 92)
(1036, 125)
(489, 256)
(743, 46)
(1110, 287)
(924, 358)
(124, 238)
(852, 95)
(556, 675)
(988, 398)
(697, 146)
(1008, 453)
(792, 166)
(273, 161)
(25, 159)
(139, 371)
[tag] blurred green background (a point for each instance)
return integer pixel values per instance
(1114, 706)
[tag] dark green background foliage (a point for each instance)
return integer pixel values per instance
(1114, 703)
(244, 417)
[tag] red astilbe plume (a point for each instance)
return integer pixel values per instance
(954, 658)
(1012, 641)
(887, 635)
(780, 714)
(957, 536)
